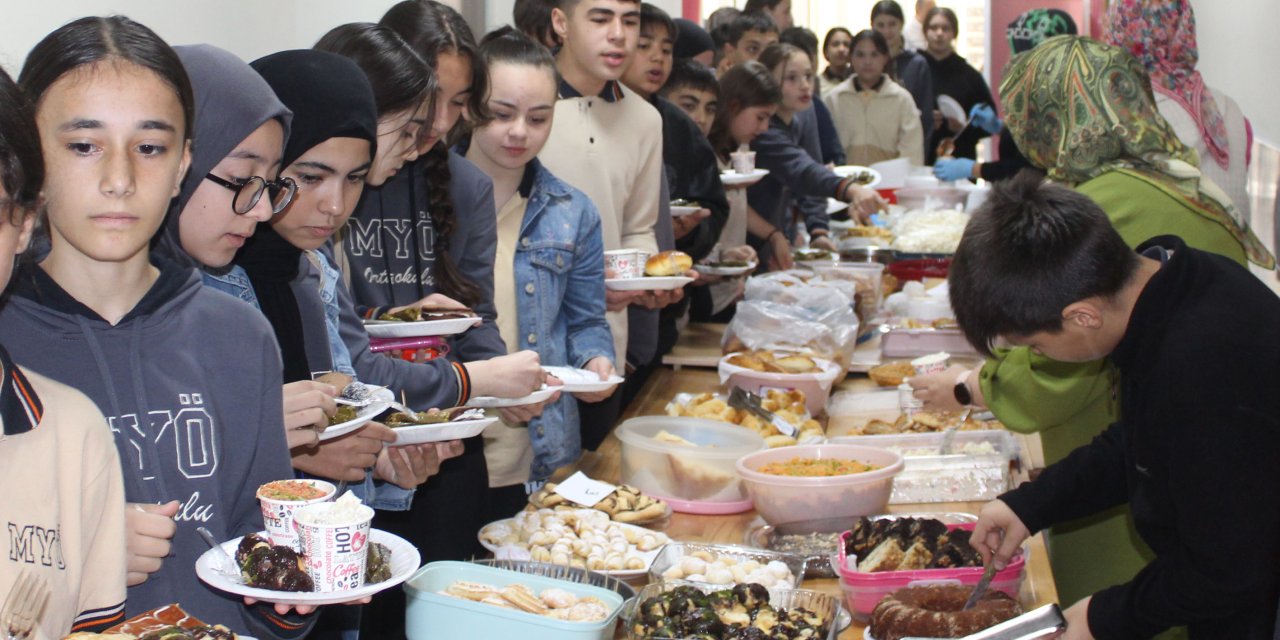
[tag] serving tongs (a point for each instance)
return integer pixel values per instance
(740, 398)
(1045, 622)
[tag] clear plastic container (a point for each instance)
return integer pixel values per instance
(913, 343)
(816, 386)
(788, 498)
(704, 473)
(673, 553)
(978, 468)
(430, 615)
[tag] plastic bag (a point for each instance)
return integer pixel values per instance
(816, 322)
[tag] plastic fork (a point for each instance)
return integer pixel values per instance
(222, 561)
(24, 604)
(361, 395)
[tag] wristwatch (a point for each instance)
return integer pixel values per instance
(961, 390)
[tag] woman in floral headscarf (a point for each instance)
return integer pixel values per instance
(1161, 34)
(1084, 112)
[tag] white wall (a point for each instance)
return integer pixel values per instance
(498, 12)
(248, 28)
(1238, 52)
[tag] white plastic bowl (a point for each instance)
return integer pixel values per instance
(780, 499)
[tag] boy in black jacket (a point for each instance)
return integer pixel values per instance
(1196, 452)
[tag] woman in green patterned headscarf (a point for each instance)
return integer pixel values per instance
(1083, 110)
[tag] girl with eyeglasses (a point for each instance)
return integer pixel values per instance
(187, 377)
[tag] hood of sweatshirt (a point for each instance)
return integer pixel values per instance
(189, 381)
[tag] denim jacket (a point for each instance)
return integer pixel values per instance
(377, 494)
(330, 278)
(559, 276)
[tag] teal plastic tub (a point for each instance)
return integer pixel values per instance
(430, 615)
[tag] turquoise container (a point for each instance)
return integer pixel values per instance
(429, 615)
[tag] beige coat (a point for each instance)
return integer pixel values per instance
(876, 125)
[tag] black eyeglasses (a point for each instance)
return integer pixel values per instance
(247, 193)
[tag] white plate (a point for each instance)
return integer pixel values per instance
(581, 380)
(734, 179)
(647, 556)
(835, 206)
(383, 398)
(713, 270)
(647, 283)
(849, 169)
(420, 329)
(490, 402)
(404, 561)
(677, 212)
(442, 432)
(951, 108)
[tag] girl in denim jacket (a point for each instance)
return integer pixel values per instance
(549, 270)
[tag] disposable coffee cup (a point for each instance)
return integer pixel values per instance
(334, 538)
(624, 263)
(281, 498)
(932, 363)
(743, 161)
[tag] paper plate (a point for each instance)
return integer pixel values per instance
(382, 398)
(442, 432)
(422, 328)
(677, 212)
(404, 561)
(490, 402)
(951, 108)
(734, 179)
(581, 380)
(836, 206)
(849, 169)
(647, 283)
(647, 556)
(713, 270)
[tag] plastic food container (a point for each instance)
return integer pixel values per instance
(863, 591)
(977, 469)
(787, 499)
(932, 198)
(673, 553)
(816, 386)
(919, 268)
(913, 343)
(703, 475)
(826, 606)
(430, 615)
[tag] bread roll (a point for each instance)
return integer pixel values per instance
(668, 263)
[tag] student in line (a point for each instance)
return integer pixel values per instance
(876, 117)
(694, 43)
(906, 66)
(552, 285)
(952, 76)
(793, 169)
(1193, 452)
(778, 10)
(819, 116)
(836, 49)
(745, 38)
(198, 422)
(751, 97)
(693, 88)
(54, 437)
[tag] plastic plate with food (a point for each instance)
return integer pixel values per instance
(864, 176)
(647, 283)
(420, 328)
(403, 562)
(681, 208)
(349, 418)
(490, 402)
(582, 380)
(455, 424)
(726, 268)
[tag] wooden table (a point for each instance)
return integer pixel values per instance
(1038, 589)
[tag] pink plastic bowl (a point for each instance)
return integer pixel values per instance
(791, 499)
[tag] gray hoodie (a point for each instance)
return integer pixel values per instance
(189, 382)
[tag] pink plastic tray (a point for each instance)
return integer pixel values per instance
(863, 591)
(706, 508)
(913, 343)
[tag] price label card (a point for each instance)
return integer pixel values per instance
(583, 490)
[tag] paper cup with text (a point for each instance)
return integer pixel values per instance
(932, 363)
(334, 538)
(743, 161)
(279, 499)
(624, 263)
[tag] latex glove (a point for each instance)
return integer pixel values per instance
(952, 169)
(602, 367)
(984, 117)
(998, 531)
(149, 530)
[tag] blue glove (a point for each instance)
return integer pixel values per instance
(982, 115)
(952, 169)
